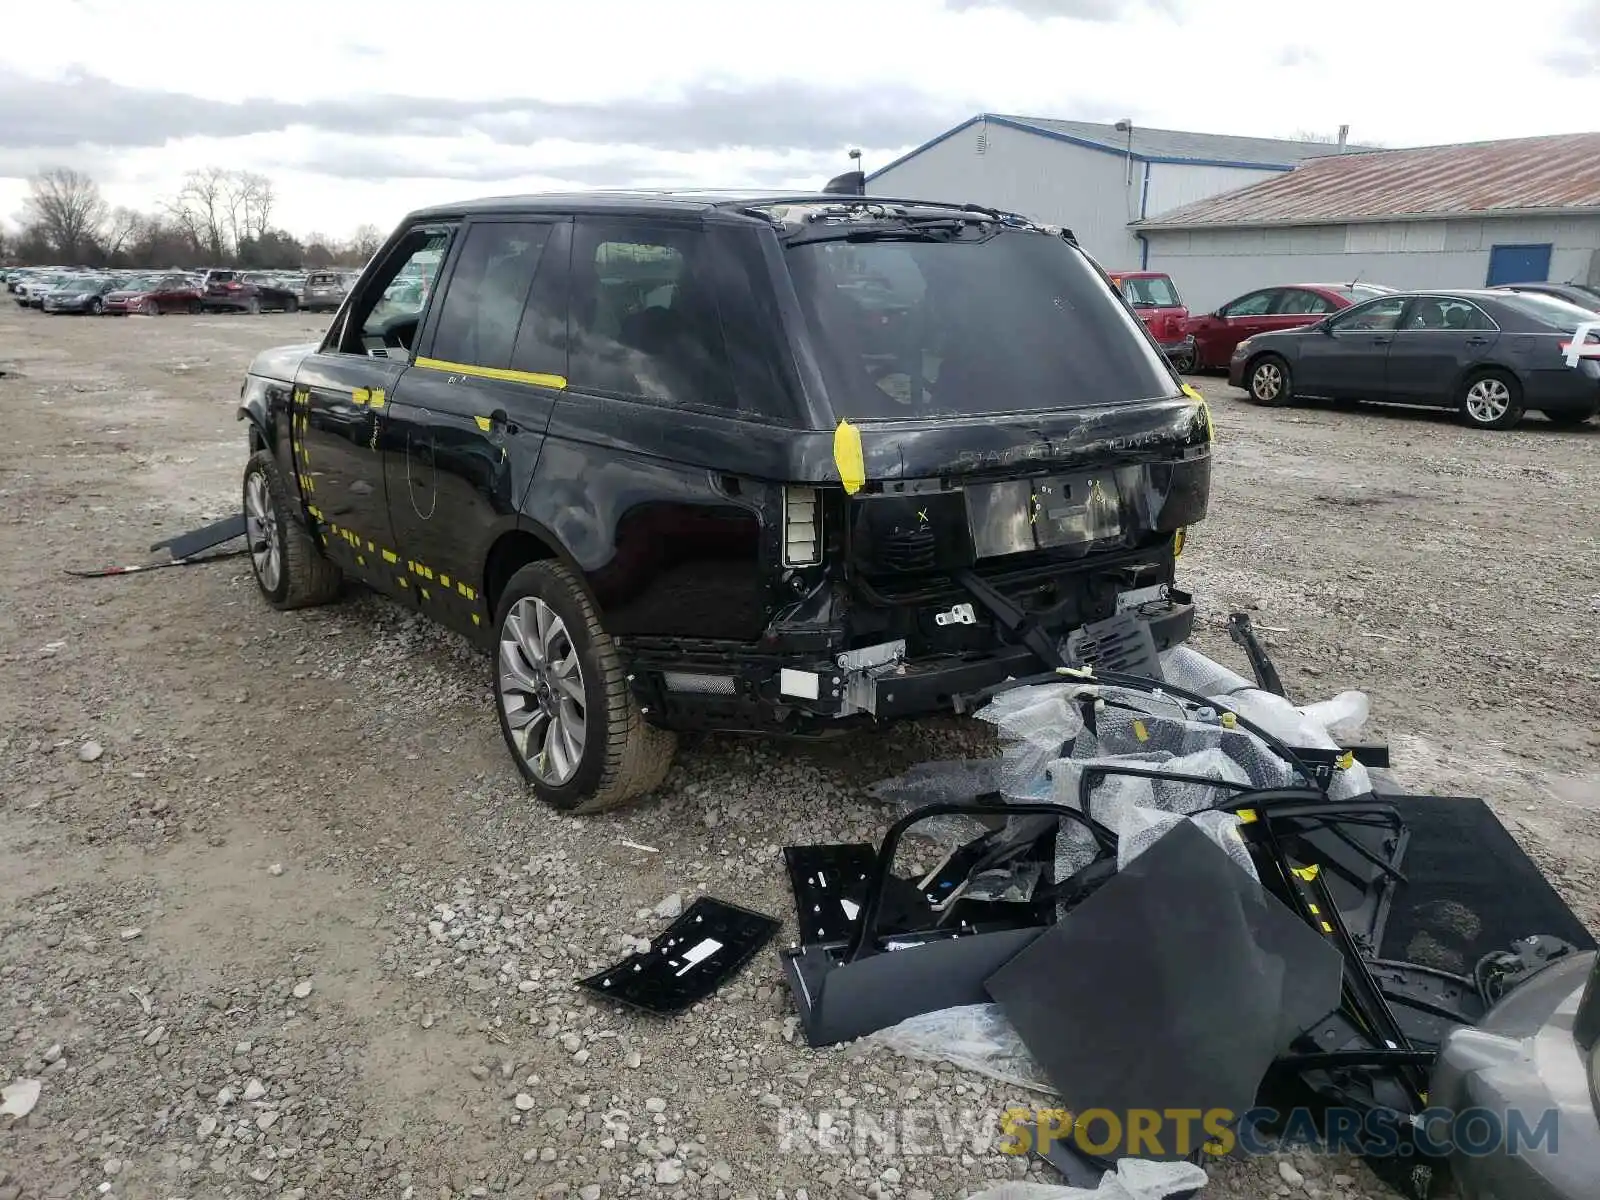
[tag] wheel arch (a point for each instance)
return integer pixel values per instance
(514, 549)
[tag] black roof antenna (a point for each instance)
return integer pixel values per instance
(851, 183)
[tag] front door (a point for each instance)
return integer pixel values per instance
(1217, 334)
(341, 406)
(468, 419)
(1439, 339)
(1346, 356)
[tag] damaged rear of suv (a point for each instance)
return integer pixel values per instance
(765, 465)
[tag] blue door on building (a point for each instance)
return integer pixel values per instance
(1519, 264)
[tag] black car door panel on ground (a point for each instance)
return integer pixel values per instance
(674, 548)
(1346, 357)
(1440, 339)
(468, 418)
(341, 405)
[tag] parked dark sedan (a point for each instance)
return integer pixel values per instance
(274, 293)
(1580, 294)
(85, 295)
(1490, 355)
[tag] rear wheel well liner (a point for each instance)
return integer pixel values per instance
(512, 551)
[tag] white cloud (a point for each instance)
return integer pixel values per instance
(359, 114)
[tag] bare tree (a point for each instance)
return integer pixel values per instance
(67, 209)
(202, 208)
(121, 227)
(258, 199)
(365, 242)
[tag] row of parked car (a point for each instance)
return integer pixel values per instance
(60, 290)
(1490, 354)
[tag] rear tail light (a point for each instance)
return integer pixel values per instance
(802, 527)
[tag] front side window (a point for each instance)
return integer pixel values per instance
(1373, 316)
(1257, 304)
(645, 317)
(386, 316)
(961, 323)
(488, 291)
(1150, 291)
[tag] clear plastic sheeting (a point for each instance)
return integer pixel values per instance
(974, 1037)
(1134, 1179)
(1033, 724)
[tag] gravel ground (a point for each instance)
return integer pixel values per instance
(276, 919)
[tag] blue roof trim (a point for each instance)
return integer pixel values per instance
(1085, 143)
(928, 145)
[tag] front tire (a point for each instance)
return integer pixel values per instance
(96, 307)
(289, 567)
(1491, 399)
(150, 309)
(252, 306)
(291, 305)
(1270, 383)
(566, 711)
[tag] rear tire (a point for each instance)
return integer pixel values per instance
(545, 614)
(289, 567)
(253, 306)
(1491, 399)
(1270, 383)
(291, 305)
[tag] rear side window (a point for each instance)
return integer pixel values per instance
(645, 315)
(1297, 302)
(488, 291)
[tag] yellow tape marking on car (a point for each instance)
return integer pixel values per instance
(1247, 816)
(848, 458)
(1308, 873)
(1326, 928)
(1140, 732)
(371, 548)
(361, 560)
(1346, 760)
(403, 581)
(360, 396)
(314, 511)
(1194, 394)
(484, 423)
(1177, 544)
(466, 591)
(389, 556)
(378, 399)
(444, 582)
(476, 619)
(425, 595)
(536, 378)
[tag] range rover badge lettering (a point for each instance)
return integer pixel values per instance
(961, 614)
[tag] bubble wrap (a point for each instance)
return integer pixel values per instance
(1033, 723)
(1134, 1179)
(975, 1037)
(945, 781)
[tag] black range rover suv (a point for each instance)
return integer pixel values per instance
(690, 462)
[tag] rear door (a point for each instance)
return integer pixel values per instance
(467, 421)
(341, 402)
(1299, 306)
(1439, 338)
(1347, 357)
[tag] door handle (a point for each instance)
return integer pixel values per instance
(1477, 341)
(502, 419)
(1381, 341)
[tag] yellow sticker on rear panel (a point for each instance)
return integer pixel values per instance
(848, 458)
(1194, 394)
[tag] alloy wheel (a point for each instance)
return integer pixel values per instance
(542, 692)
(1266, 383)
(1488, 400)
(261, 529)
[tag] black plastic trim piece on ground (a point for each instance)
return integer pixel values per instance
(698, 953)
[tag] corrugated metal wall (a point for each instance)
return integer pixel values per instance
(1172, 185)
(1212, 266)
(1055, 182)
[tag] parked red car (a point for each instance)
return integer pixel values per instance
(1155, 298)
(1285, 307)
(154, 295)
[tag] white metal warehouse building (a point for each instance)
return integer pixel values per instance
(1094, 179)
(1470, 215)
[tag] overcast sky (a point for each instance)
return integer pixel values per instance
(359, 112)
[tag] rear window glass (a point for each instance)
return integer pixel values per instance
(1559, 314)
(1015, 321)
(1152, 291)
